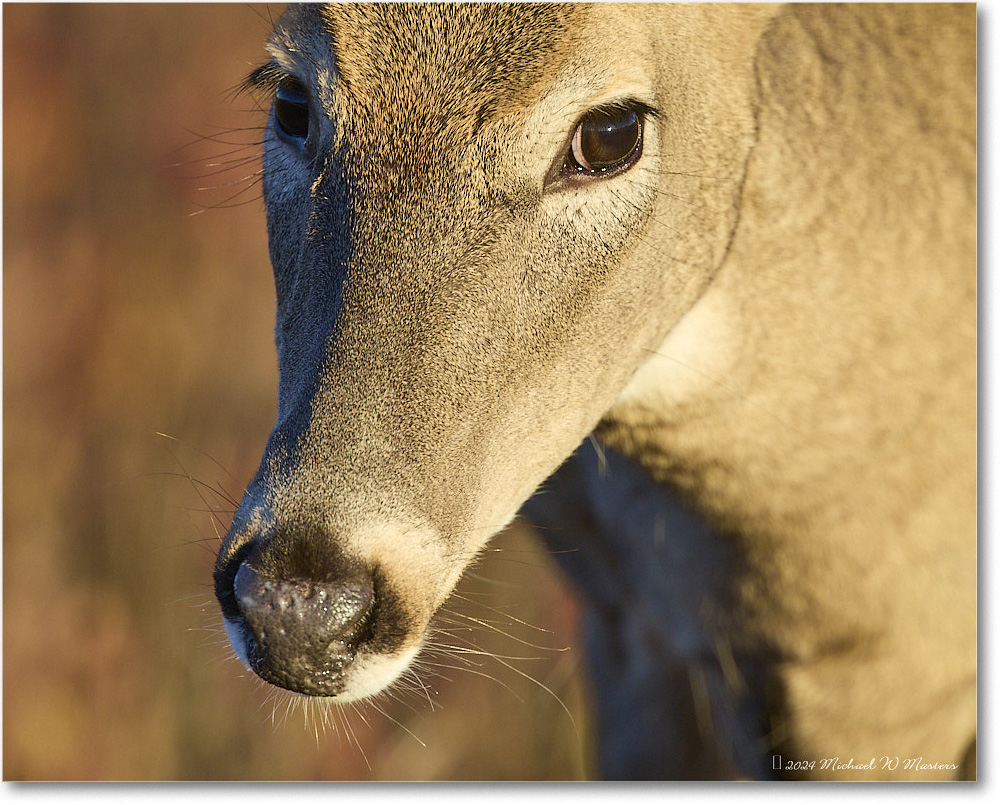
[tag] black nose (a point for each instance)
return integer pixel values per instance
(305, 627)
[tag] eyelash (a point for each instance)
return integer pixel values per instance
(635, 113)
(611, 123)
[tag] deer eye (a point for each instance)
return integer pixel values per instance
(291, 108)
(605, 141)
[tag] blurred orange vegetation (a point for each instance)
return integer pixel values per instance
(125, 316)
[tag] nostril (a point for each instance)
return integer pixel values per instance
(328, 610)
(304, 630)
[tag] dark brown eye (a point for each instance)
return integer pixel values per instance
(606, 140)
(291, 108)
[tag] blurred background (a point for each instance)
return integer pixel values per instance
(138, 301)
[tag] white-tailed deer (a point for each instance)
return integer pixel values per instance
(735, 243)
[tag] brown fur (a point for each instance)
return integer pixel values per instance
(773, 313)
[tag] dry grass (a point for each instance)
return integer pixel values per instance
(125, 316)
